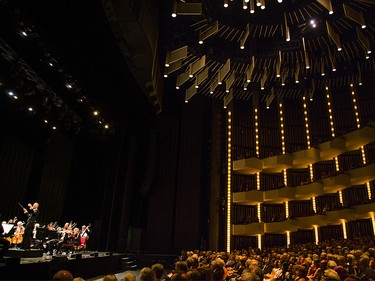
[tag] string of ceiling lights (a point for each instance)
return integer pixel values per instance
(309, 38)
(57, 99)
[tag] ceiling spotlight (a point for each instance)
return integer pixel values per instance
(313, 23)
(280, 1)
(225, 3)
(106, 126)
(54, 127)
(10, 94)
(46, 121)
(96, 113)
(30, 109)
(69, 86)
(363, 26)
(259, 3)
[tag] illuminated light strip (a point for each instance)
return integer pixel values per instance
(257, 142)
(260, 241)
(288, 239)
(340, 197)
(311, 170)
(256, 131)
(369, 191)
(344, 230)
(287, 209)
(285, 177)
(229, 191)
(337, 164)
(355, 106)
(282, 128)
(316, 235)
(373, 223)
(259, 212)
(314, 204)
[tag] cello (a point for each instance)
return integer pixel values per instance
(18, 234)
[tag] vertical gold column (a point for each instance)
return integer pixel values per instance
(344, 230)
(316, 235)
(355, 106)
(311, 169)
(285, 176)
(337, 166)
(229, 186)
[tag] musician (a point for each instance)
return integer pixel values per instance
(18, 234)
(31, 220)
(4, 243)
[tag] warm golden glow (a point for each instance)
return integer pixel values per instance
(259, 212)
(229, 191)
(316, 235)
(285, 177)
(314, 204)
(260, 242)
(258, 181)
(282, 126)
(363, 155)
(337, 164)
(287, 209)
(340, 197)
(311, 172)
(330, 113)
(373, 223)
(344, 230)
(256, 134)
(288, 239)
(369, 191)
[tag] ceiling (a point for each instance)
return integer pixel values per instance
(337, 40)
(67, 42)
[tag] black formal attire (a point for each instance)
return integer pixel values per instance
(28, 234)
(4, 243)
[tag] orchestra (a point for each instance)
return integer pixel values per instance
(50, 237)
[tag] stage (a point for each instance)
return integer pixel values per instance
(36, 265)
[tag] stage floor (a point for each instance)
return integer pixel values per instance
(90, 265)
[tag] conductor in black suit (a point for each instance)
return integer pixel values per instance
(32, 214)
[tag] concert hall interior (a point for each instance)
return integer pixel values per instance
(189, 124)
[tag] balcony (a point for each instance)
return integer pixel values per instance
(279, 195)
(336, 183)
(364, 211)
(247, 166)
(276, 164)
(354, 140)
(311, 221)
(251, 197)
(281, 227)
(250, 229)
(330, 149)
(338, 216)
(303, 158)
(362, 175)
(305, 192)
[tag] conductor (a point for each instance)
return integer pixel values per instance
(32, 214)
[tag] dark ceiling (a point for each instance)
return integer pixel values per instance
(67, 42)
(265, 43)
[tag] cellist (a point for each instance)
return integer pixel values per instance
(18, 234)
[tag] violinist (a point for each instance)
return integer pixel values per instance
(32, 214)
(18, 234)
(3, 242)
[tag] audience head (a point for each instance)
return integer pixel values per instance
(181, 266)
(129, 277)
(158, 270)
(63, 275)
(110, 277)
(330, 274)
(147, 274)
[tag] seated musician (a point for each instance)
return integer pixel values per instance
(18, 235)
(4, 243)
(66, 242)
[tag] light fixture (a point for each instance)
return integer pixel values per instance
(263, 4)
(225, 3)
(280, 1)
(244, 4)
(174, 8)
(252, 7)
(259, 3)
